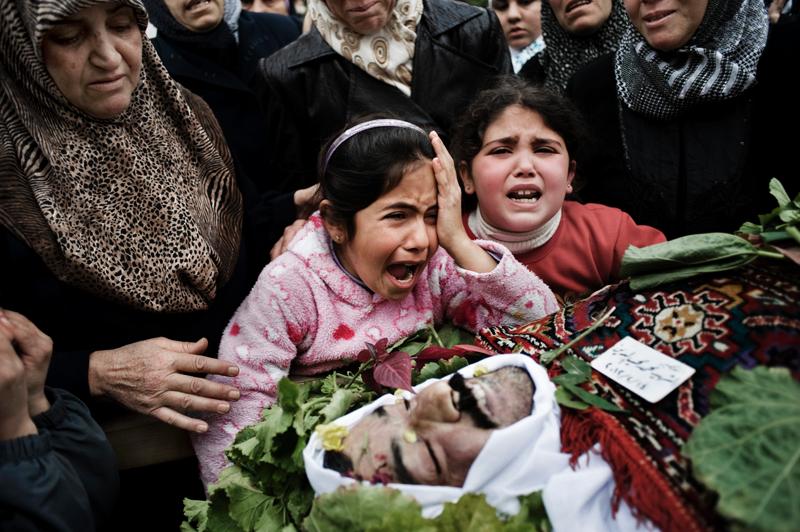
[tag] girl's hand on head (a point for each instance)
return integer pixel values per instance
(449, 226)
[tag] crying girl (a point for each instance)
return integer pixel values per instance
(385, 256)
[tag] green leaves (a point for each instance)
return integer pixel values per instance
(360, 508)
(378, 509)
(685, 257)
(266, 488)
(748, 448)
(570, 393)
(692, 255)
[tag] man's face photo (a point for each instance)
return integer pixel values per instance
(434, 437)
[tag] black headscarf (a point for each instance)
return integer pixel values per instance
(565, 52)
(220, 36)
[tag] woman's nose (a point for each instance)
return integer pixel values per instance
(513, 12)
(434, 404)
(104, 54)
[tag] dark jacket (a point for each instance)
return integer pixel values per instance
(705, 170)
(224, 78)
(311, 92)
(62, 479)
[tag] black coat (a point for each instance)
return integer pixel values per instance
(63, 478)
(311, 92)
(224, 78)
(705, 170)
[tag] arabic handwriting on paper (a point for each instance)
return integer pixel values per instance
(642, 369)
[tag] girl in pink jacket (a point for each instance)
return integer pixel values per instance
(367, 266)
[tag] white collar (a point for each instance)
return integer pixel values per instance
(516, 242)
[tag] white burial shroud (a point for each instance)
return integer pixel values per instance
(517, 460)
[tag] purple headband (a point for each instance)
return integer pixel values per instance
(358, 128)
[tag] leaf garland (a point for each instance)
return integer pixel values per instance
(266, 488)
(747, 448)
(380, 509)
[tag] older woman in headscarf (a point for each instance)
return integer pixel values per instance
(687, 115)
(120, 217)
(575, 32)
(421, 60)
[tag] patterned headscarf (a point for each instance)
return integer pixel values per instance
(566, 52)
(719, 62)
(142, 208)
(387, 54)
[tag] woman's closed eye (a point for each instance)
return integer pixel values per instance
(65, 36)
(396, 215)
(122, 22)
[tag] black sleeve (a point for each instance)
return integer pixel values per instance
(496, 41)
(289, 169)
(62, 479)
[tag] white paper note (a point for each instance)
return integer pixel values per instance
(642, 369)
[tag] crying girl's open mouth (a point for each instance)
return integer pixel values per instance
(403, 271)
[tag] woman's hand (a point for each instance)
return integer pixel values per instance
(151, 377)
(449, 227)
(288, 235)
(15, 421)
(34, 348)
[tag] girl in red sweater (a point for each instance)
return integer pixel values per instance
(516, 148)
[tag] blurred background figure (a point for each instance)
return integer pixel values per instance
(278, 7)
(213, 51)
(522, 26)
(575, 32)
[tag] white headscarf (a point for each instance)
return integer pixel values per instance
(516, 460)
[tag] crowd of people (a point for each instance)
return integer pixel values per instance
(144, 182)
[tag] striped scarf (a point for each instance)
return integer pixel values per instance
(718, 63)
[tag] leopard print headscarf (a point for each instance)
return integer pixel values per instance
(141, 209)
(387, 54)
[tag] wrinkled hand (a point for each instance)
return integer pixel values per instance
(15, 421)
(35, 350)
(288, 235)
(151, 377)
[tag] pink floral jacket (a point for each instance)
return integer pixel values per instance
(304, 312)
